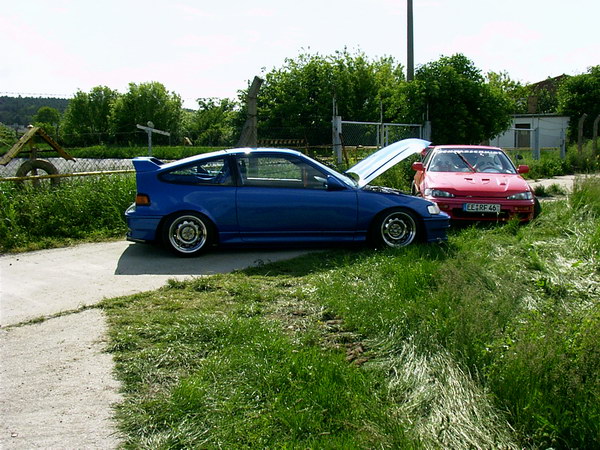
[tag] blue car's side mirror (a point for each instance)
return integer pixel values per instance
(333, 184)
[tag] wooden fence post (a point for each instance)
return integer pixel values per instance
(595, 135)
(580, 133)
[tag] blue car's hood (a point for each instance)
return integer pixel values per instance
(380, 161)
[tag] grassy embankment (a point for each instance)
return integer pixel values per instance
(488, 341)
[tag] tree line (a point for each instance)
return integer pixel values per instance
(295, 102)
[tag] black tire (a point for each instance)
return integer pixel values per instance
(394, 229)
(188, 234)
(413, 189)
(32, 166)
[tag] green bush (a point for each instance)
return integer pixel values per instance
(77, 209)
(586, 161)
(160, 152)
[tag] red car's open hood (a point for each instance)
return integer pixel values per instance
(477, 184)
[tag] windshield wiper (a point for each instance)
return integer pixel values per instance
(466, 162)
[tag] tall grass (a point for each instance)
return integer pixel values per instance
(489, 341)
(550, 164)
(77, 209)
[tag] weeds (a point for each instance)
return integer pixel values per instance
(84, 209)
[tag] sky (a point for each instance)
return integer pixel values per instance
(201, 48)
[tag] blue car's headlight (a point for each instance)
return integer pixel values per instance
(437, 193)
(521, 196)
(433, 209)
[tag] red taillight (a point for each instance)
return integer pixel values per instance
(142, 200)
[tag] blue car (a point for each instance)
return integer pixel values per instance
(270, 196)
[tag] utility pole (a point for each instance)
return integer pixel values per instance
(410, 65)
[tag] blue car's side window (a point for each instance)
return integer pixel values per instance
(212, 172)
(279, 171)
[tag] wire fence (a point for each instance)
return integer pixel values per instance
(376, 135)
(360, 140)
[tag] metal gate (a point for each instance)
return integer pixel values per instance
(370, 135)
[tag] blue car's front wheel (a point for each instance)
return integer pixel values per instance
(395, 228)
(187, 234)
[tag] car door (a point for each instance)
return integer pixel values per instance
(282, 197)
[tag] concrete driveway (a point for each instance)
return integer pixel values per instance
(56, 382)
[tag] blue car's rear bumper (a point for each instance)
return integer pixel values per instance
(141, 229)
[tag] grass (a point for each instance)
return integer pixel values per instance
(487, 341)
(76, 210)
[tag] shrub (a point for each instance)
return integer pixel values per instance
(81, 208)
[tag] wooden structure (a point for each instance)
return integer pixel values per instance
(33, 164)
(27, 138)
(248, 137)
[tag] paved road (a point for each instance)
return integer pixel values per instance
(564, 181)
(56, 381)
(47, 282)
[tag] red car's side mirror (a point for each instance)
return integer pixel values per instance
(523, 168)
(418, 166)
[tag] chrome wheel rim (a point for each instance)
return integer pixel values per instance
(187, 234)
(398, 229)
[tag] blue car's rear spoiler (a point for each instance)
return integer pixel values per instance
(146, 163)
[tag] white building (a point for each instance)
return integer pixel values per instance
(552, 131)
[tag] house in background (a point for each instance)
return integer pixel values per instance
(551, 130)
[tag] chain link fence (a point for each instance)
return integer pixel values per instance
(377, 135)
(359, 138)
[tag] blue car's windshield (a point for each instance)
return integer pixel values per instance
(342, 177)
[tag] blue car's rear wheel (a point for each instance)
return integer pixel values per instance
(395, 228)
(188, 234)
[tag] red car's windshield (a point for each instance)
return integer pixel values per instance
(467, 160)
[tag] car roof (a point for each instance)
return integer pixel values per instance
(466, 147)
(231, 151)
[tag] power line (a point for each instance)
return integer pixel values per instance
(31, 94)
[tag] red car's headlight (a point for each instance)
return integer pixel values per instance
(521, 196)
(437, 193)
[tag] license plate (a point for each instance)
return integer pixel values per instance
(482, 207)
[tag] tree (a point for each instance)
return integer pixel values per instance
(7, 137)
(87, 119)
(143, 103)
(462, 108)
(47, 118)
(213, 123)
(295, 101)
(514, 90)
(580, 94)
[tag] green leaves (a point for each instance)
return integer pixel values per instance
(578, 95)
(462, 108)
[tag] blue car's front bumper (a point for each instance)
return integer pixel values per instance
(436, 227)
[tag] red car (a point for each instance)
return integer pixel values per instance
(473, 182)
